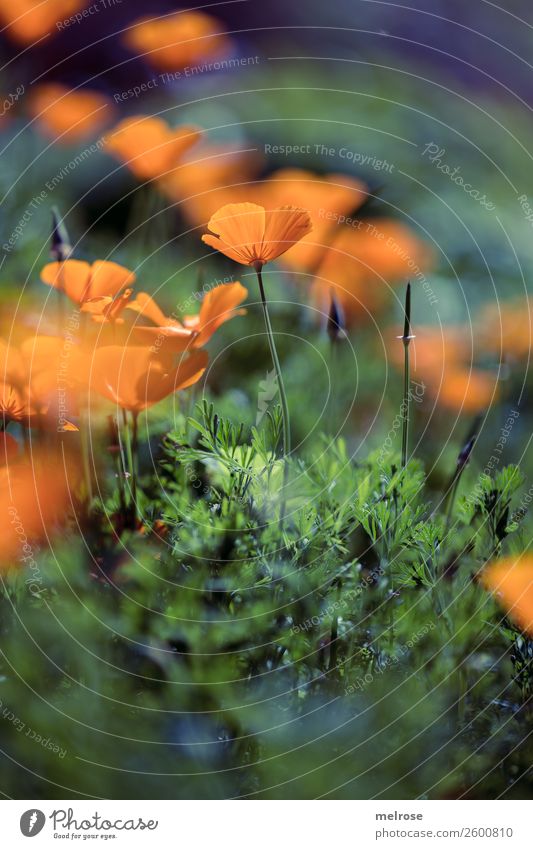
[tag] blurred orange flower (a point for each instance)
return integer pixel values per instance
(81, 282)
(28, 20)
(134, 379)
(35, 387)
(107, 310)
(511, 581)
(469, 390)
(506, 329)
(363, 261)
(252, 235)
(329, 200)
(34, 497)
(67, 115)
(210, 177)
(9, 448)
(442, 360)
(218, 306)
(177, 41)
(148, 146)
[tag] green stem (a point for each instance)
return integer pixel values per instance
(135, 439)
(85, 456)
(405, 406)
(332, 400)
(283, 398)
(406, 339)
(453, 493)
(131, 467)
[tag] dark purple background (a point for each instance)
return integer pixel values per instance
(92, 51)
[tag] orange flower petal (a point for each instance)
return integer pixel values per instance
(148, 146)
(218, 306)
(511, 581)
(109, 278)
(134, 378)
(248, 233)
(34, 498)
(145, 306)
(69, 116)
(29, 20)
(82, 282)
(177, 41)
(172, 338)
(71, 277)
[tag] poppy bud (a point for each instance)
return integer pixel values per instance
(60, 247)
(407, 335)
(335, 324)
(465, 452)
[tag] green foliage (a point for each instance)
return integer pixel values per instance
(223, 660)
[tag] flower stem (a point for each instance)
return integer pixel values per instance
(451, 502)
(283, 398)
(85, 455)
(406, 338)
(131, 466)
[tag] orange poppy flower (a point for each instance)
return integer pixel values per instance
(511, 581)
(329, 200)
(67, 115)
(82, 282)
(362, 262)
(148, 146)
(107, 310)
(218, 306)
(28, 20)
(174, 42)
(134, 379)
(36, 380)
(252, 235)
